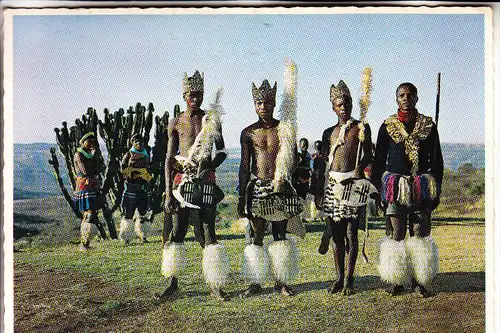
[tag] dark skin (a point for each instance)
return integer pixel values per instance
(317, 146)
(182, 132)
(419, 222)
(344, 160)
(303, 145)
(259, 149)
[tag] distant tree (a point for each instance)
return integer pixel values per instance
(466, 169)
(477, 189)
(115, 130)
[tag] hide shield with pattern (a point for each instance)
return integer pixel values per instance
(354, 193)
(277, 207)
(201, 193)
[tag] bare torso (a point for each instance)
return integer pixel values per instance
(182, 132)
(264, 144)
(344, 159)
(185, 128)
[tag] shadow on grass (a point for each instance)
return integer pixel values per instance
(361, 283)
(459, 282)
(453, 282)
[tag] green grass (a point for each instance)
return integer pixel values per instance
(137, 268)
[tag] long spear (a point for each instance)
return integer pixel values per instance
(438, 95)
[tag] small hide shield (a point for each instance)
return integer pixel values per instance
(196, 193)
(354, 193)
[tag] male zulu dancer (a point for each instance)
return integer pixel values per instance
(268, 156)
(135, 169)
(408, 169)
(340, 143)
(87, 197)
(193, 192)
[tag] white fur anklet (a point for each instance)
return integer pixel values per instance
(424, 259)
(87, 232)
(174, 259)
(126, 230)
(255, 264)
(215, 265)
(284, 256)
(393, 262)
(142, 229)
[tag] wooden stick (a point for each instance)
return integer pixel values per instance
(438, 95)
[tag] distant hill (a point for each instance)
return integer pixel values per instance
(33, 175)
(456, 154)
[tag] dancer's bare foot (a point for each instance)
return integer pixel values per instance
(254, 289)
(348, 289)
(287, 290)
(421, 291)
(395, 290)
(336, 287)
(171, 289)
(219, 295)
(84, 247)
(414, 284)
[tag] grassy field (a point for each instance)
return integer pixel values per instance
(110, 289)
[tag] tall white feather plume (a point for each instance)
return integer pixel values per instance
(287, 129)
(288, 108)
(210, 131)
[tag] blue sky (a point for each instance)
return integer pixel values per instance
(64, 64)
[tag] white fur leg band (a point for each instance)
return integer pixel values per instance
(174, 259)
(87, 231)
(284, 256)
(424, 260)
(255, 264)
(142, 227)
(146, 228)
(126, 230)
(215, 265)
(393, 262)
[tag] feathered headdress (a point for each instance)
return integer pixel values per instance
(287, 129)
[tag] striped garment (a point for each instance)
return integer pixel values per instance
(331, 205)
(88, 200)
(135, 196)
